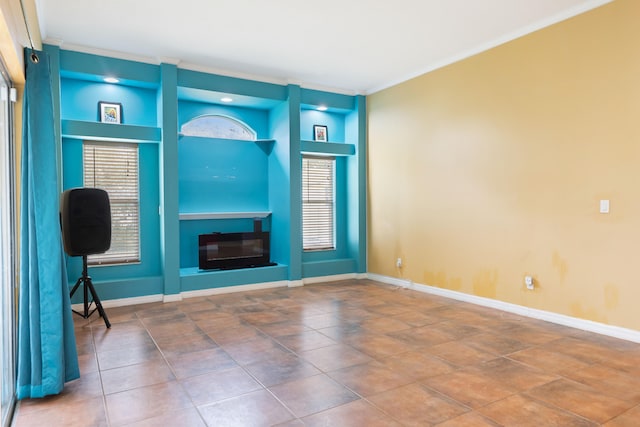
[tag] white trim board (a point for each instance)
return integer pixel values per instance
(121, 302)
(560, 319)
(327, 279)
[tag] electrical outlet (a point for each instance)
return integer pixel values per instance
(528, 281)
(399, 263)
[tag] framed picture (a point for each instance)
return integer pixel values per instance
(110, 112)
(320, 133)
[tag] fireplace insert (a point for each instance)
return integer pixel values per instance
(225, 251)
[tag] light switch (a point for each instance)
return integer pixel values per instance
(604, 206)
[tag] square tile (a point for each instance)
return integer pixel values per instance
(78, 413)
(172, 346)
(335, 357)
(181, 417)
(378, 346)
(234, 334)
(146, 402)
(200, 362)
(417, 365)
(547, 359)
(304, 341)
(513, 374)
(128, 356)
(134, 376)
(355, 414)
(580, 399)
(254, 350)
(499, 345)
(469, 388)
(314, 394)
(459, 354)
(519, 411)
(631, 418)
(370, 378)
(219, 385)
(470, 419)
(280, 369)
(258, 408)
(417, 405)
(611, 382)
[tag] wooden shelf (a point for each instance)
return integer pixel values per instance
(222, 215)
(327, 148)
(109, 131)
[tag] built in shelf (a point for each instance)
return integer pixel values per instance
(222, 215)
(194, 279)
(79, 129)
(327, 148)
(195, 271)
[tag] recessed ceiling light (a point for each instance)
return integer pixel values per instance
(111, 80)
(226, 99)
(322, 108)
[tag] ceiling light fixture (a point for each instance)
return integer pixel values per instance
(226, 99)
(111, 80)
(322, 108)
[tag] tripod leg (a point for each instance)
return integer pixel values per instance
(86, 297)
(88, 284)
(75, 287)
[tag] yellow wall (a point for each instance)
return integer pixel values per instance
(493, 167)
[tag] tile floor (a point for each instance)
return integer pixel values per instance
(353, 353)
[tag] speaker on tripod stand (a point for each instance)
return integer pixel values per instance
(85, 220)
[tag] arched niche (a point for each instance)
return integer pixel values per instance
(218, 126)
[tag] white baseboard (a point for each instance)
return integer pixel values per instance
(121, 302)
(172, 298)
(326, 279)
(560, 319)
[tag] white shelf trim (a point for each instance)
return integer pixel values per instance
(223, 215)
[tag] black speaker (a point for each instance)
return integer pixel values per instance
(85, 219)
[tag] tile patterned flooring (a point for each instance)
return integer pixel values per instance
(352, 353)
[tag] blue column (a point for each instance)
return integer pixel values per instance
(357, 185)
(169, 220)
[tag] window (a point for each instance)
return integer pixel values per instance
(215, 126)
(318, 203)
(8, 249)
(114, 168)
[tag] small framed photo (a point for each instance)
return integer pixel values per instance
(320, 133)
(110, 112)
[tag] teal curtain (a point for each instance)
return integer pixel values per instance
(47, 356)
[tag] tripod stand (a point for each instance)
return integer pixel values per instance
(88, 287)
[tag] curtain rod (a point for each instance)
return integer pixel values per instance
(33, 56)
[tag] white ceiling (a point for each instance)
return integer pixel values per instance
(352, 46)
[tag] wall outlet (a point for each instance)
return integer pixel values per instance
(399, 263)
(528, 281)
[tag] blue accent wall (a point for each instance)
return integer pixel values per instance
(81, 101)
(182, 174)
(333, 121)
(217, 175)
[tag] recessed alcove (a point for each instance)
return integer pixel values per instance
(218, 126)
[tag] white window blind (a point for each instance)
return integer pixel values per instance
(113, 167)
(318, 203)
